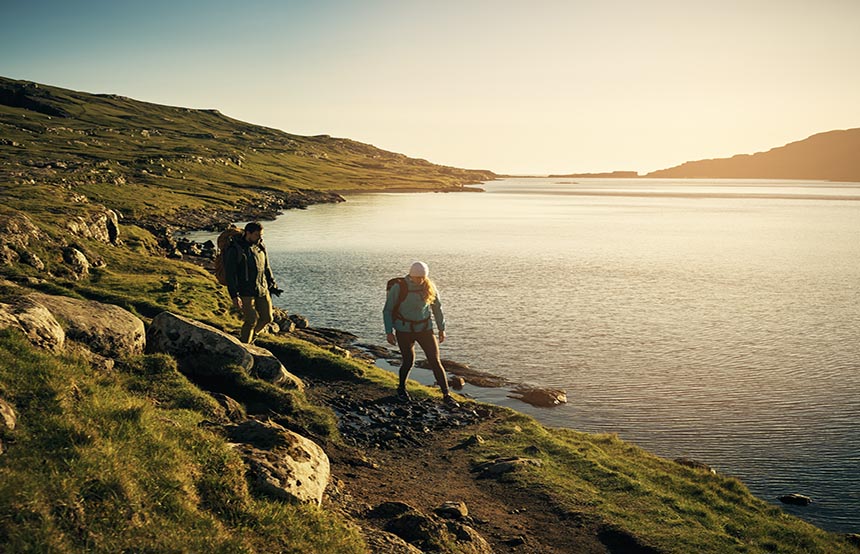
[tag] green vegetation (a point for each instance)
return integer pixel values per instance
(113, 461)
(662, 504)
(144, 159)
(117, 462)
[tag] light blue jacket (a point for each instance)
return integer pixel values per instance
(413, 309)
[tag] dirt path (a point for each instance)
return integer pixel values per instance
(425, 470)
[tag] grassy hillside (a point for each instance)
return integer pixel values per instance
(831, 156)
(145, 159)
(127, 460)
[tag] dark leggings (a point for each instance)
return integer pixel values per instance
(427, 341)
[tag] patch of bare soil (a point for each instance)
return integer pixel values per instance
(413, 453)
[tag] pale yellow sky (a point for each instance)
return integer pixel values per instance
(512, 86)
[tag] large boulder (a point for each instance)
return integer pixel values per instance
(203, 350)
(199, 348)
(106, 329)
(38, 324)
(281, 463)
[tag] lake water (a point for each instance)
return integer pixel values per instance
(717, 320)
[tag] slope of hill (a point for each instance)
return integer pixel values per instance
(831, 156)
(148, 160)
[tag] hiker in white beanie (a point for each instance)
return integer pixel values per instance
(411, 305)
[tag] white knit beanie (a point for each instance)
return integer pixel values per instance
(419, 269)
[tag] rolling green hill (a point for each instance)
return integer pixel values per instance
(147, 160)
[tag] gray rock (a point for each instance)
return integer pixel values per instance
(389, 510)
(795, 499)
(17, 232)
(495, 468)
(432, 535)
(695, 464)
(233, 410)
(544, 398)
(76, 261)
(199, 348)
(299, 321)
(268, 368)
(101, 224)
(452, 510)
(38, 324)
(204, 350)
(7, 417)
(281, 463)
(386, 543)
(106, 329)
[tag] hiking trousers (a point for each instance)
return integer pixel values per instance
(257, 313)
(428, 343)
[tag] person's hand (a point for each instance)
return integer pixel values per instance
(441, 337)
(391, 340)
(237, 302)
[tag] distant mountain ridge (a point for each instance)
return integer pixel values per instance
(830, 156)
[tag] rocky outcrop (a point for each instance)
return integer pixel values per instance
(17, 233)
(101, 224)
(429, 533)
(280, 463)
(106, 329)
(36, 321)
(203, 350)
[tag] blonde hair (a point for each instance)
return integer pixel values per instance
(428, 293)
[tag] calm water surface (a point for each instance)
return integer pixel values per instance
(718, 320)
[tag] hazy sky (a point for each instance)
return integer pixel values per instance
(532, 86)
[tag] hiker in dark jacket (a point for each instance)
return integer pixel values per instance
(409, 321)
(249, 279)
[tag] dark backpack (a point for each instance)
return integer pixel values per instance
(403, 290)
(225, 241)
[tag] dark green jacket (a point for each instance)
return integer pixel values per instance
(247, 268)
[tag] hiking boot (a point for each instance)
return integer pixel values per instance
(403, 395)
(450, 402)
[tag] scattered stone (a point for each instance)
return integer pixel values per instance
(7, 417)
(234, 411)
(390, 510)
(474, 440)
(456, 382)
(695, 464)
(77, 262)
(532, 450)
(544, 398)
(495, 468)
(452, 510)
(299, 321)
(515, 541)
(795, 499)
(391, 423)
